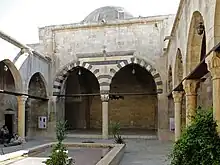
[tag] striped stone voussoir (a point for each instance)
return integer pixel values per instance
(64, 73)
(105, 85)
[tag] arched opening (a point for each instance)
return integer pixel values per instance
(82, 100)
(8, 112)
(138, 109)
(205, 89)
(178, 70)
(170, 79)
(216, 24)
(196, 37)
(36, 108)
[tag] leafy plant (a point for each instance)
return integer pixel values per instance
(115, 130)
(61, 131)
(199, 144)
(59, 154)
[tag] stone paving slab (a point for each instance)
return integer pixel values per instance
(30, 161)
(146, 152)
(137, 152)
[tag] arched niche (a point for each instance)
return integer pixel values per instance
(138, 109)
(178, 70)
(36, 108)
(194, 44)
(83, 111)
(10, 80)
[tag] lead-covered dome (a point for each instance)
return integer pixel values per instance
(107, 13)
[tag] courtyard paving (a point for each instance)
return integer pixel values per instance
(138, 151)
(146, 152)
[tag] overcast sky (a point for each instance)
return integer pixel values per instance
(21, 18)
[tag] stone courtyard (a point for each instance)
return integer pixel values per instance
(138, 151)
(149, 74)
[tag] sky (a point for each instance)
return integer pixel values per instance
(22, 18)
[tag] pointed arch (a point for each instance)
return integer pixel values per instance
(64, 72)
(170, 79)
(105, 84)
(41, 80)
(216, 23)
(178, 68)
(15, 73)
(194, 44)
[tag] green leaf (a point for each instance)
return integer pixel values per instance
(199, 143)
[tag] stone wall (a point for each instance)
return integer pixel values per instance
(145, 36)
(8, 103)
(36, 107)
(205, 92)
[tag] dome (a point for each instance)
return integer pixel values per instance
(107, 13)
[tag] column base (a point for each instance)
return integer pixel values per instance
(104, 137)
(165, 135)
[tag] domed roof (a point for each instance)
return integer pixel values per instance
(107, 13)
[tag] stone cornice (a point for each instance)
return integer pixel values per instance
(13, 41)
(176, 21)
(23, 47)
(141, 20)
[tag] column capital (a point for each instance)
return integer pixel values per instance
(190, 87)
(105, 97)
(22, 98)
(177, 96)
(213, 64)
(53, 98)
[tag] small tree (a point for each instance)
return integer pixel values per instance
(199, 144)
(59, 154)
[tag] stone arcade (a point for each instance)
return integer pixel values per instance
(137, 71)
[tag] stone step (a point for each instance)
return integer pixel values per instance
(95, 136)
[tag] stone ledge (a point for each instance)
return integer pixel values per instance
(13, 155)
(113, 157)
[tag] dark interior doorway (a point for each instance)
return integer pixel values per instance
(26, 122)
(9, 122)
(82, 112)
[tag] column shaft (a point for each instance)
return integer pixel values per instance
(21, 115)
(216, 101)
(213, 63)
(105, 99)
(190, 88)
(177, 96)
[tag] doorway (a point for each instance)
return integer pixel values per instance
(26, 123)
(9, 122)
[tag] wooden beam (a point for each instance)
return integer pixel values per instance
(23, 94)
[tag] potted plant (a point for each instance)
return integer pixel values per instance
(59, 155)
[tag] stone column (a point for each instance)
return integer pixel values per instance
(52, 116)
(21, 115)
(177, 97)
(190, 87)
(105, 99)
(213, 63)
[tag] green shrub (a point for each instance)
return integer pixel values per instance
(59, 155)
(199, 144)
(115, 130)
